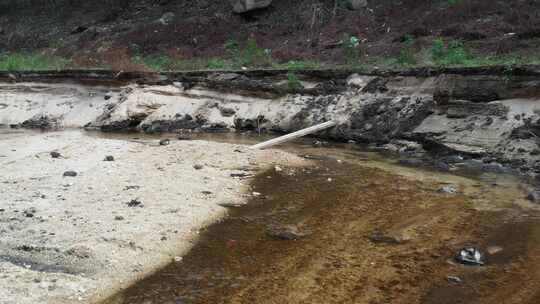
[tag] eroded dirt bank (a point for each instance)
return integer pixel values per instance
(351, 232)
(75, 227)
(485, 117)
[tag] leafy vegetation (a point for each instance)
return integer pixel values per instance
(293, 82)
(406, 55)
(155, 62)
(452, 53)
(31, 62)
(351, 49)
(247, 55)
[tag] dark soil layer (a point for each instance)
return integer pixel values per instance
(115, 30)
(342, 233)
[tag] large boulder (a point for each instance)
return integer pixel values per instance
(356, 4)
(242, 6)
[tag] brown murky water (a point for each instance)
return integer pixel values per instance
(306, 239)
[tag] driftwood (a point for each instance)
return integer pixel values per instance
(297, 134)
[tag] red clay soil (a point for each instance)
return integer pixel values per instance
(91, 29)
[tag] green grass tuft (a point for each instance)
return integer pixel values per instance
(31, 62)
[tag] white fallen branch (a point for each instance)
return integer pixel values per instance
(295, 135)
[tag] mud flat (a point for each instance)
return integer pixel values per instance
(66, 239)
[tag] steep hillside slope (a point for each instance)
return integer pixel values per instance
(97, 31)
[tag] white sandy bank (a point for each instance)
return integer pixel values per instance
(75, 239)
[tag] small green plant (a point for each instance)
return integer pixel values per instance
(438, 49)
(293, 82)
(406, 55)
(31, 62)
(351, 49)
(250, 55)
(453, 53)
(232, 49)
(217, 64)
(253, 55)
(154, 62)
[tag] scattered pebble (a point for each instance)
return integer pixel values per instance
(534, 196)
(198, 167)
(55, 154)
(164, 142)
(109, 158)
(494, 250)
(454, 279)
(70, 174)
(134, 203)
(118, 218)
(286, 233)
(447, 190)
(470, 256)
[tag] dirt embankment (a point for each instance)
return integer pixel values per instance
(485, 118)
(114, 31)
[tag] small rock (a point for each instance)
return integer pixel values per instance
(320, 143)
(29, 212)
(278, 169)
(70, 174)
(382, 238)
(164, 142)
(109, 158)
(55, 154)
(242, 6)
(108, 95)
(454, 279)
(442, 166)
(491, 250)
(198, 167)
(178, 259)
(470, 256)
(239, 175)
(256, 194)
(206, 192)
(286, 233)
(178, 85)
(118, 218)
(534, 196)
(230, 205)
(134, 203)
(167, 18)
(447, 190)
(227, 112)
(79, 29)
